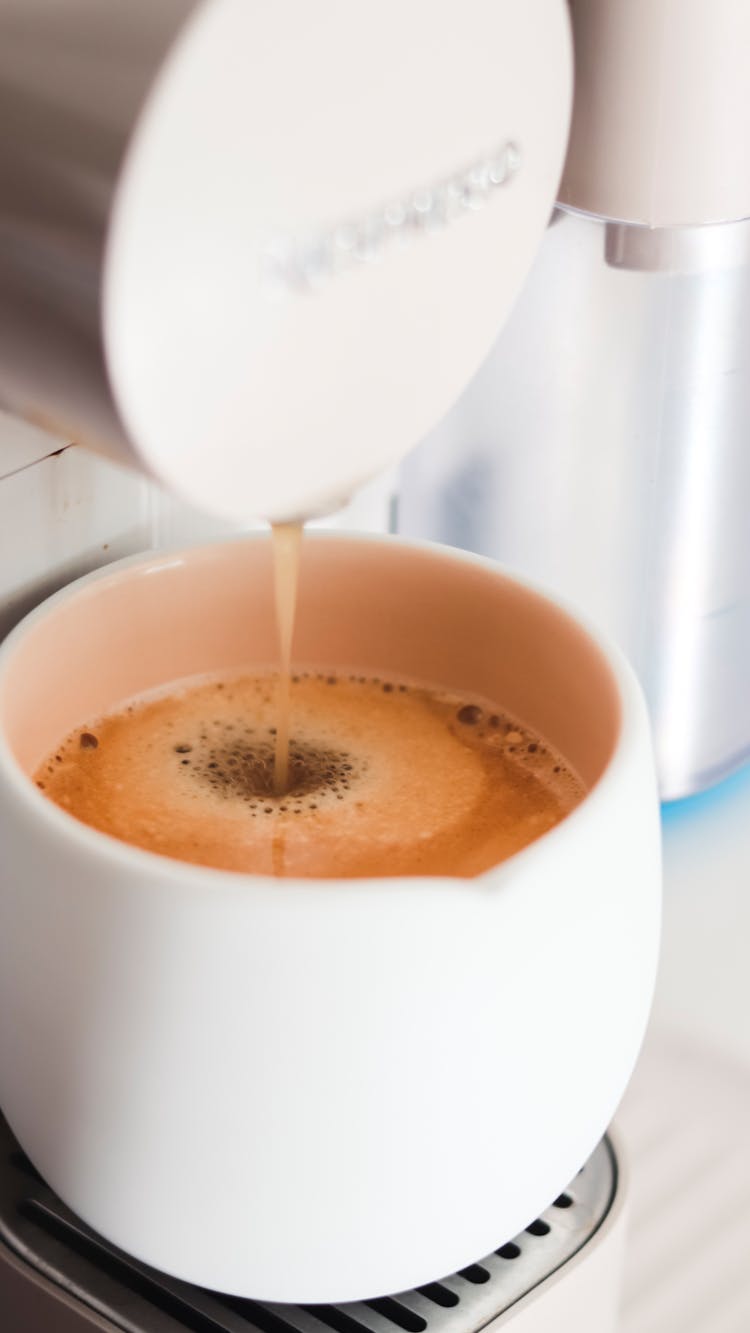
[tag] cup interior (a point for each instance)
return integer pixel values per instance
(374, 604)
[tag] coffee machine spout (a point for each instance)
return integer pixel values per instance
(258, 250)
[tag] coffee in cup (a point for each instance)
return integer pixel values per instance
(386, 777)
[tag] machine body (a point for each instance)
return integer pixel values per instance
(259, 250)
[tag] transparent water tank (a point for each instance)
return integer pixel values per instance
(604, 449)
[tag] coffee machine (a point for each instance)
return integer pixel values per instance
(64, 509)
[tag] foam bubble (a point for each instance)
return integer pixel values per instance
(242, 770)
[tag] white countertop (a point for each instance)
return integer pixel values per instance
(686, 1117)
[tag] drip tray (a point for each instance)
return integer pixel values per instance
(72, 1276)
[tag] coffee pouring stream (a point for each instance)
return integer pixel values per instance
(258, 250)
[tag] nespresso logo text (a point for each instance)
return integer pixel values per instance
(290, 264)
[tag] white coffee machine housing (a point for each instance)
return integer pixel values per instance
(257, 249)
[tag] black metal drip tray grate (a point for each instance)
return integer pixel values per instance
(129, 1296)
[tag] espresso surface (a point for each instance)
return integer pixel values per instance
(385, 778)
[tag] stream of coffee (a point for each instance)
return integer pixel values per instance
(287, 538)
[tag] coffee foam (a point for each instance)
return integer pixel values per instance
(386, 778)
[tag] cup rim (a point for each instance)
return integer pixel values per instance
(111, 849)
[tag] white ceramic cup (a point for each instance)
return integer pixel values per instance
(320, 1090)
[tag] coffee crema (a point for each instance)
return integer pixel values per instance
(386, 778)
